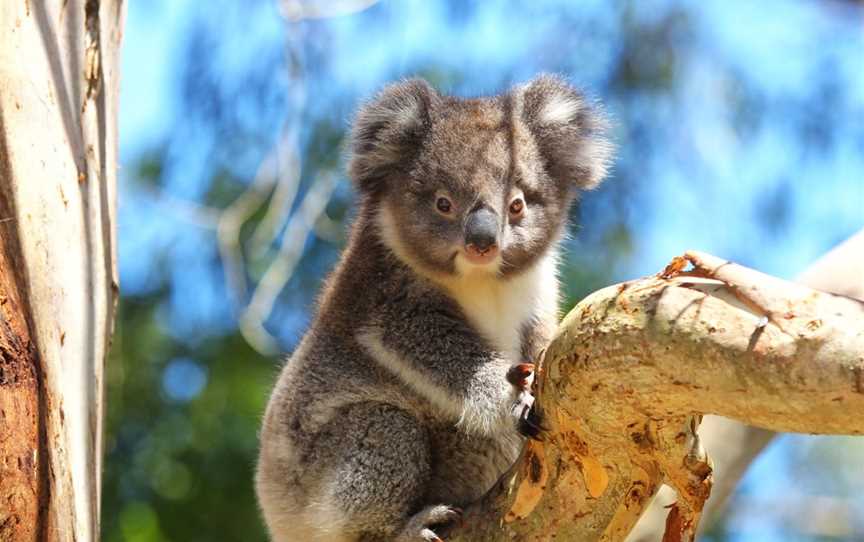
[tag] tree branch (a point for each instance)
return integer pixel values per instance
(734, 445)
(632, 369)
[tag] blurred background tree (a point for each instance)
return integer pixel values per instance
(740, 132)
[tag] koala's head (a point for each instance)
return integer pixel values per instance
(459, 186)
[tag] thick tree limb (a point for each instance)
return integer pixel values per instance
(635, 365)
(734, 445)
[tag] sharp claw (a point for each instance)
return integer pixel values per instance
(459, 513)
(529, 423)
(530, 431)
(443, 521)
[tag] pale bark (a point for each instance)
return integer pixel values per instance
(634, 366)
(59, 85)
(733, 445)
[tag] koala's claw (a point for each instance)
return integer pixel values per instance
(521, 376)
(444, 515)
(529, 423)
(429, 536)
(441, 516)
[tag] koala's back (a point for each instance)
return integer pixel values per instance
(304, 434)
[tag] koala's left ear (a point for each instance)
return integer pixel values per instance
(570, 132)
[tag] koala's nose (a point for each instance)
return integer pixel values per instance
(481, 230)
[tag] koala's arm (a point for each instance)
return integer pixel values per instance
(536, 336)
(435, 352)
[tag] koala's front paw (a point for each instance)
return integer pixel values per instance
(419, 527)
(521, 376)
(528, 420)
(530, 423)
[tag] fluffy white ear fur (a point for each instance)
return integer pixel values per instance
(559, 109)
(570, 131)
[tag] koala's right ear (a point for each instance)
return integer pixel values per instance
(389, 130)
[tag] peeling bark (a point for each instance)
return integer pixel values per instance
(21, 482)
(59, 65)
(632, 370)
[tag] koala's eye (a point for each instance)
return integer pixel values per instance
(517, 207)
(443, 205)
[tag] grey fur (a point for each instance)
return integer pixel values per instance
(395, 406)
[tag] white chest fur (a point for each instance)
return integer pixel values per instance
(499, 308)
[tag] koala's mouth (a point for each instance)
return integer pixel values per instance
(481, 257)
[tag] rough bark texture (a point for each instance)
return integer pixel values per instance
(630, 373)
(20, 406)
(58, 96)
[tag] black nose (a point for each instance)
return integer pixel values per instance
(481, 229)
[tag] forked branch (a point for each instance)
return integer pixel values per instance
(632, 369)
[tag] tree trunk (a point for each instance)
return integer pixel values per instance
(59, 84)
(633, 367)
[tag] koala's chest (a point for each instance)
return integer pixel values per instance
(500, 309)
(499, 316)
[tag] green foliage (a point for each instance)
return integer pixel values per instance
(180, 470)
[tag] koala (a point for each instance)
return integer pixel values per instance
(396, 410)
